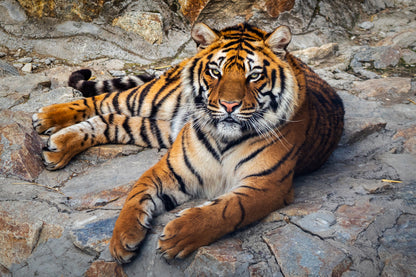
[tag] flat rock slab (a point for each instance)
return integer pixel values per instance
(301, 254)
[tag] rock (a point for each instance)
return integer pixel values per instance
(12, 12)
(25, 60)
(69, 10)
(51, 259)
(409, 136)
(301, 254)
(380, 57)
(117, 73)
(404, 164)
(318, 223)
(27, 68)
(111, 174)
(22, 224)
(105, 269)
(110, 198)
(397, 247)
(7, 70)
(408, 56)
(300, 209)
(93, 237)
(191, 9)
(147, 25)
(403, 39)
(317, 53)
(372, 6)
(225, 258)
(357, 129)
(353, 219)
(384, 89)
(377, 187)
(20, 148)
(366, 25)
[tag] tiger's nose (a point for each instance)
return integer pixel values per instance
(230, 106)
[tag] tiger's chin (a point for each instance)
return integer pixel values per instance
(229, 130)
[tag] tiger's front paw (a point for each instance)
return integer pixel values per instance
(183, 235)
(44, 123)
(61, 148)
(49, 120)
(129, 231)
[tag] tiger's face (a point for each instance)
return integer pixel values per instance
(240, 82)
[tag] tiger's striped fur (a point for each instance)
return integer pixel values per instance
(80, 81)
(241, 118)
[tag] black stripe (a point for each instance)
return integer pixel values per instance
(144, 93)
(182, 185)
(273, 168)
(143, 133)
(188, 163)
(201, 137)
(106, 134)
(134, 195)
(156, 131)
(168, 202)
(252, 155)
(282, 79)
(243, 215)
(286, 176)
(127, 128)
(252, 188)
(238, 141)
(129, 96)
(106, 87)
(155, 107)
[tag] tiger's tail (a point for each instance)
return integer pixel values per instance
(80, 81)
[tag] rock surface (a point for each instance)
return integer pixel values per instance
(356, 216)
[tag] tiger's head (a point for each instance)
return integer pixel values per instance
(240, 81)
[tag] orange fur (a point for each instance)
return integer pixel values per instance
(241, 119)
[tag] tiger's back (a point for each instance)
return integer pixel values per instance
(325, 119)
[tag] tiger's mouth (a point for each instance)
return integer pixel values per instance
(230, 119)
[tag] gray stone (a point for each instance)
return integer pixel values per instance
(117, 73)
(93, 237)
(408, 56)
(12, 12)
(380, 57)
(27, 68)
(404, 164)
(111, 174)
(366, 25)
(318, 223)
(7, 69)
(56, 257)
(301, 254)
(25, 60)
(398, 247)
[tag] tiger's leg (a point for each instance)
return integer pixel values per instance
(156, 191)
(138, 101)
(199, 226)
(51, 119)
(102, 129)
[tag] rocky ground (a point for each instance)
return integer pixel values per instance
(354, 217)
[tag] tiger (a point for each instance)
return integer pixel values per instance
(240, 119)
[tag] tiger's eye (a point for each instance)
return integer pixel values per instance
(215, 72)
(254, 76)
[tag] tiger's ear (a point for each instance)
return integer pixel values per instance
(279, 39)
(203, 35)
